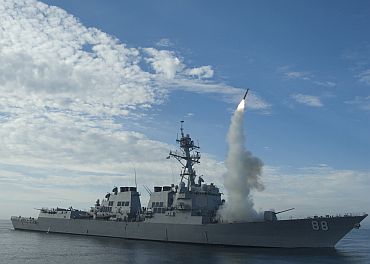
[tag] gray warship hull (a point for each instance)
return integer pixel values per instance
(310, 232)
(187, 213)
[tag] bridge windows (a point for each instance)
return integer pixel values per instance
(105, 209)
(157, 207)
(123, 203)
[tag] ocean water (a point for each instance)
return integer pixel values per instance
(38, 248)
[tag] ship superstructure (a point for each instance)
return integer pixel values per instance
(122, 204)
(190, 199)
(186, 213)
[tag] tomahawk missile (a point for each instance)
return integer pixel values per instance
(245, 94)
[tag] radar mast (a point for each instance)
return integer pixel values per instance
(187, 156)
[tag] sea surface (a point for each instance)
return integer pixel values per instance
(38, 248)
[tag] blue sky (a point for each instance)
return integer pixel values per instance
(257, 44)
(77, 120)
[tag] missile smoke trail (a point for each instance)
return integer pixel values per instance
(243, 174)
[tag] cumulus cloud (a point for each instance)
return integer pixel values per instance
(63, 86)
(309, 100)
(42, 58)
(201, 72)
(43, 50)
(164, 62)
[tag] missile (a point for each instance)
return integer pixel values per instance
(245, 94)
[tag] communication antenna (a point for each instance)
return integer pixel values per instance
(173, 175)
(135, 179)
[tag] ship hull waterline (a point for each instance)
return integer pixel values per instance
(296, 233)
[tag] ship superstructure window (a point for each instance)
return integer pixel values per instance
(157, 207)
(123, 203)
(159, 210)
(106, 209)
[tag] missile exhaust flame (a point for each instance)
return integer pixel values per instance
(241, 105)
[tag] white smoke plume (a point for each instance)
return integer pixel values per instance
(243, 174)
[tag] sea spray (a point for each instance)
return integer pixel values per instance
(243, 174)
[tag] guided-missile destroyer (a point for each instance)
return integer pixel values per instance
(186, 213)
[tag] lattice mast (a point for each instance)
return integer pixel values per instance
(187, 156)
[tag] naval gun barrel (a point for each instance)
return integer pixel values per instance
(290, 209)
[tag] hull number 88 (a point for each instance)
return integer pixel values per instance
(317, 225)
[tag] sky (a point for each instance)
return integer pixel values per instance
(93, 90)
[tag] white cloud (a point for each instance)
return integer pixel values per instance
(315, 190)
(361, 102)
(43, 52)
(325, 83)
(164, 62)
(290, 74)
(164, 42)
(309, 100)
(62, 87)
(201, 72)
(364, 76)
(224, 92)
(42, 58)
(298, 75)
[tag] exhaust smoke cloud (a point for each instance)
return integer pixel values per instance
(243, 174)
